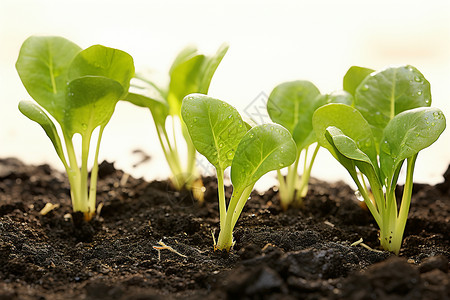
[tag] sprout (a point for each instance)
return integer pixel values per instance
(79, 89)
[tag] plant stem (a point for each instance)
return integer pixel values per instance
(304, 181)
(94, 177)
(225, 240)
(288, 185)
(222, 202)
(404, 207)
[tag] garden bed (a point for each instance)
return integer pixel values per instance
(302, 253)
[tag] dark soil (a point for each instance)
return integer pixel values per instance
(299, 254)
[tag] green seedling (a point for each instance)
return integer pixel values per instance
(191, 72)
(79, 89)
(292, 104)
(219, 133)
(390, 125)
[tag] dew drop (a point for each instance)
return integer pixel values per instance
(271, 128)
(220, 145)
(281, 164)
(419, 93)
(195, 120)
(240, 124)
(230, 117)
(365, 87)
(417, 79)
(359, 196)
(230, 155)
(251, 135)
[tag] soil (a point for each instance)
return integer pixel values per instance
(299, 254)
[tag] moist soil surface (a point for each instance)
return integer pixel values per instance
(303, 253)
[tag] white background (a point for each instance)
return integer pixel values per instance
(270, 42)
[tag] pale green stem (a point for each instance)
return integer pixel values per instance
(222, 202)
(404, 207)
(225, 240)
(367, 200)
(94, 176)
(303, 188)
(240, 205)
(288, 186)
(73, 174)
(85, 143)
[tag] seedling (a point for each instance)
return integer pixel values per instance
(219, 133)
(79, 89)
(191, 72)
(390, 125)
(292, 104)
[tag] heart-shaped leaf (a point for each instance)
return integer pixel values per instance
(103, 61)
(408, 133)
(90, 103)
(384, 94)
(215, 128)
(43, 65)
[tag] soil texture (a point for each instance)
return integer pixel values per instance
(152, 242)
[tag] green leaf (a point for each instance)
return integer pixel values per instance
(90, 103)
(348, 120)
(99, 60)
(158, 108)
(292, 104)
(353, 78)
(209, 67)
(35, 113)
(42, 65)
(264, 148)
(384, 94)
(408, 133)
(346, 145)
(215, 128)
(191, 73)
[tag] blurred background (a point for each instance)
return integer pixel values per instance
(270, 42)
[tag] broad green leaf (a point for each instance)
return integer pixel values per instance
(337, 97)
(159, 109)
(264, 148)
(90, 103)
(292, 104)
(42, 65)
(215, 128)
(191, 73)
(209, 67)
(348, 120)
(350, 156)
(384, 94)
(35, 113)
(346, 145)
(184, 55)
(408, 133)
(353, 78)
(99, 60)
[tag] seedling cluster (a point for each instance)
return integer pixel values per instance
(379, 122)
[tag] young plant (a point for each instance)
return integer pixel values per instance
(79, 89)
(219, 133)
(292, 104)
(387, 128)
(191, 72)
